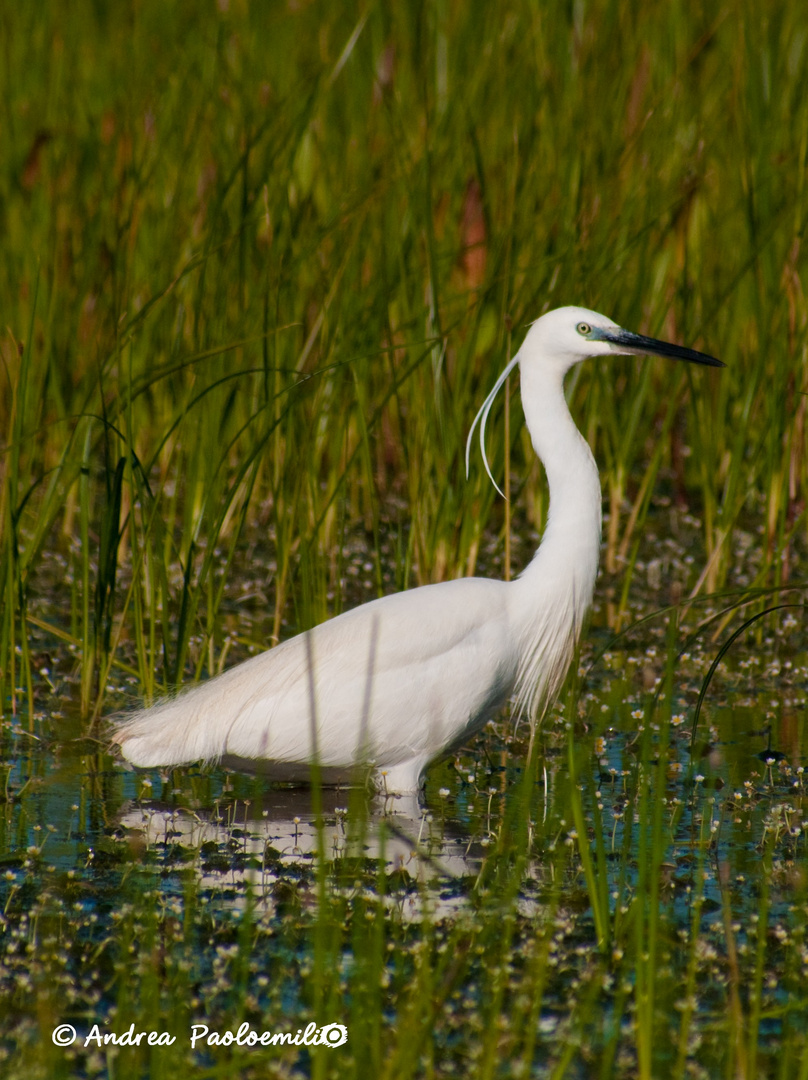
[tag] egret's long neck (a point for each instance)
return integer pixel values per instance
(567, 561)
(551, 597)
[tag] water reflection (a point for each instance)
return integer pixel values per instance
(260, 843)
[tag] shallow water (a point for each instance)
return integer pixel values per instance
(96, 855)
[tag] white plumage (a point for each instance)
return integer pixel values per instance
(399, 681)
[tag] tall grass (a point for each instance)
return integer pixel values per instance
(267, 276)
(260, 265)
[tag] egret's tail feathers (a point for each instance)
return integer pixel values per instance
(170, 733)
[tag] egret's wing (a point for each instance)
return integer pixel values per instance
(398, 673)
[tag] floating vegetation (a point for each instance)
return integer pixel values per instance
(630, 882)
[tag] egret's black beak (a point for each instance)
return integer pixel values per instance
(638, 343)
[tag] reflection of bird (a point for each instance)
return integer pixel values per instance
(402, 679)
(280, 830)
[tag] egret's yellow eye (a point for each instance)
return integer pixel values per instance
(584, 328)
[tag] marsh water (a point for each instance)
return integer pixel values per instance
(214, 878)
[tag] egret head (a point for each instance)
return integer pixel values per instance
(563, 337)
(567, 335)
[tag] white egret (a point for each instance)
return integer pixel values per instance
(399, 681)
